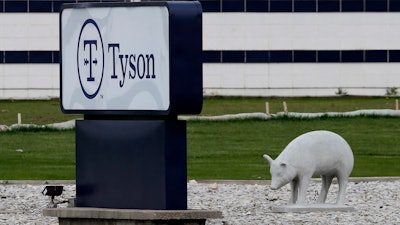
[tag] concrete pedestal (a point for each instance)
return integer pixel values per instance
(104, 216)
(312, 208)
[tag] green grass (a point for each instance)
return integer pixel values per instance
(216, 150)
(219, 105)
(48, 111)
(232, 150)
(33, 112)
(47, 155)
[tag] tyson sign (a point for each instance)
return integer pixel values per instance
(131, 58)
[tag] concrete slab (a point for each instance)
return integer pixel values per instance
(107, 216)
(139, 214)
(312, 208)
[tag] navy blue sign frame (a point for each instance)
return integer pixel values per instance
(185, 58)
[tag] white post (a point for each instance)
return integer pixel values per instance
(19, 118)
(285, 107)
(267, 108)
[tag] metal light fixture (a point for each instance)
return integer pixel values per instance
(52, 191)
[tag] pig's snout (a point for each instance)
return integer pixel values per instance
(274, 185)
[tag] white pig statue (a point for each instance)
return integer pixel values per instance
(314, 153)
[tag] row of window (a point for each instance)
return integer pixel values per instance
(301, 56)
(230, 5)
(20, 6)
(284, 56)
(301, 5)
(29, 56)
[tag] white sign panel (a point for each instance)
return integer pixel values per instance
(115, 58)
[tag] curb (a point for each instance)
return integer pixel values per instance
(265, 182)
(237, 182)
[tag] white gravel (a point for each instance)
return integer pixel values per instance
(376, 202)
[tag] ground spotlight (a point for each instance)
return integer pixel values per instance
(52, 191)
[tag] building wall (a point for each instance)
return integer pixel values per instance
(29, 48)
(251, 47)
(29, 55)
(297, 54)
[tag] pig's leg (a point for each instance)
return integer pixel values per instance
(294, 185)
(342, 180)
(326, 183)
(303, 184)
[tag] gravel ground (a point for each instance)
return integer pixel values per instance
(376, 202)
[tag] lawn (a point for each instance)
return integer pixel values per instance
(42, 155)
(33, 112)
(232, 150)
(220, 105)
(44, 112)
(216, 150)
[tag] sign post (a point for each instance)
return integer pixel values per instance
(131, 68)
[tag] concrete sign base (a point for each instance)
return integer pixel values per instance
(103, 216)
(312, 208)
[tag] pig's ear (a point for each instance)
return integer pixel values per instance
(269, 159)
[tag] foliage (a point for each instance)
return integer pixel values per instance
(391, 91)
(341, 92)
